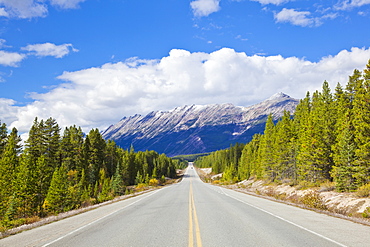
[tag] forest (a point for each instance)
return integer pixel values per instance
(326, 140)
(54, 172)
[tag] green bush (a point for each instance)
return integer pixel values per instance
(363, 191)
(366, 213)
(313, 200)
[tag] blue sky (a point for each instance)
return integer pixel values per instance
(91, 62)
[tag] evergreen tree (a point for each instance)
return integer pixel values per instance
(71, 149)
(57, 197)
(9, 163)
(345, 168)
(361, 123)
(24, 188)
(267, 150)
(118, 185)
(250, 164)
(284, 148)
(95, 154)
(3, 136)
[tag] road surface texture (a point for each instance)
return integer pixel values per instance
(192, 213)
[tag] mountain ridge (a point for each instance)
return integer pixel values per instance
(197, 128)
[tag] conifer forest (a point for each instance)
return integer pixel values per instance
(327, 139)
(56, 172)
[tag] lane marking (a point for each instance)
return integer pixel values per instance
(193, 214)
(197, 230)
(287, 221)
(191, 239)
(99, 219)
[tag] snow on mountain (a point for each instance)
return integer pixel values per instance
(197, 128)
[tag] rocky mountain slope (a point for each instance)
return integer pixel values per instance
(197, 128)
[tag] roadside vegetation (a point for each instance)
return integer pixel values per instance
(189, 157)
(325, 144)
(55, 173)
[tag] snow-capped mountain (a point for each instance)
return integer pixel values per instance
(197, 128)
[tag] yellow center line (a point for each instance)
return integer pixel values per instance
(193, 213)
(191, 241)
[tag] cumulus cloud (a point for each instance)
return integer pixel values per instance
(8, 111)
(10, 58)
(49, 49)
(298, 18)
(205, 7)
(100, 96)
(349, 4)
(25, 9)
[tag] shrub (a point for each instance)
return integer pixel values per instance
(153, 182)
(363, 191)
(140, 187)
(32, 219)
(366, 213)
(313, 200)
(327, 186)
(303, 185)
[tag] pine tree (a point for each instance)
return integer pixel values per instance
(250, 164)
(95, 154)
(3, 136)
(321, 135)
(51, 134)
(284, 148)
(71, 149)
(361, 123)
(111, 157)
(57, 197)
(9, 163)
(267, 150)
(344, 156)
(24, 187)
(118, 185)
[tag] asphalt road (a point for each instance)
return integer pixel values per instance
(192, 213)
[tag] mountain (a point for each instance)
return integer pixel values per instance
(197, 128)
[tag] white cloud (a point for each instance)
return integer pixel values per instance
(8, 112)
(100, 96)
(25, 9)
(66, 4)
(10, 58)
(275, 2)
(49, 49)
(205, 7)
(298, 18)
(349, 4)
(3, 12)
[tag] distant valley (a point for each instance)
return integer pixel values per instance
(197, 128)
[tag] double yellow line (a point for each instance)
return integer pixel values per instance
(193, 214)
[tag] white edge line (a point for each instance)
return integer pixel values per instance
(97, 220)
(288, 221)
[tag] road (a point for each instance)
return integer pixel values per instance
(192, 213)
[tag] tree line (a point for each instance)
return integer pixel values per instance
(327, 139)
(56, 172)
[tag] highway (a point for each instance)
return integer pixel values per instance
(192, 213)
